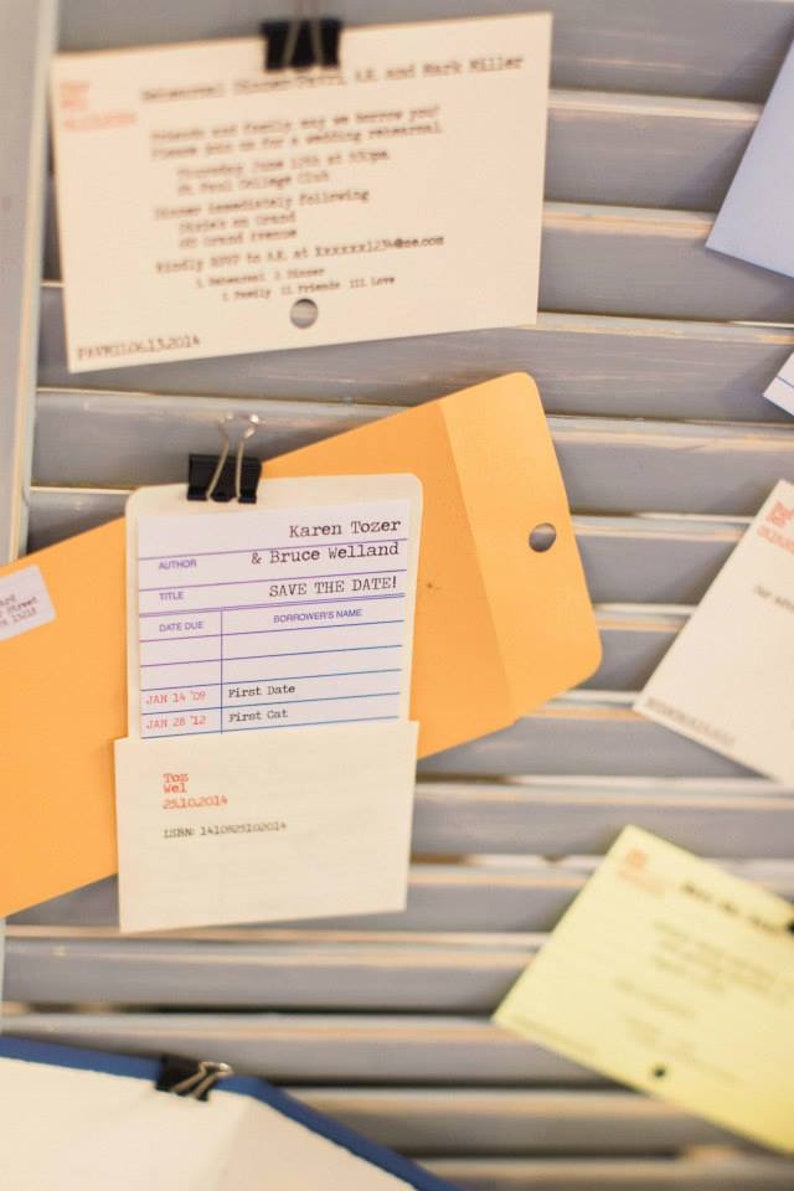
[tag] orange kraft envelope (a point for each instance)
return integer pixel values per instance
(499, 627)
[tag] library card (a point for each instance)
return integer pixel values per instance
(274, 617)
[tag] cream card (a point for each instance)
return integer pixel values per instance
(674, 977)
(299, 611)
(728, 680)
(264, 826)
(207, 207)
(781, 389)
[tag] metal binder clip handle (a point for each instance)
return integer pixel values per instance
(192, 1080)
(249, 432)
(210, 478)
(219, 466)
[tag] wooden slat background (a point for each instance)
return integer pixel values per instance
(30, 30)
(709, 1171)
(590, 262)
(719, 49)
(585, 364)
(651, 355)
(104, 438)
(668, 560)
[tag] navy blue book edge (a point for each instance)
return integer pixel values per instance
(79, 1059)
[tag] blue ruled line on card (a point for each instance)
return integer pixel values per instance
(276, 579)
(271, 604)
(252, 657)
(263, 549)
(279, 678)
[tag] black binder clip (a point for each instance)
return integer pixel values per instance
(221, 478)
(298, 44)
(193, 1079)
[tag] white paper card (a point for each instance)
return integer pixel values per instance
(24, 602)
(264, 826)
(88, 1131)
(728, 680)
(297, 611)
(203, 203)
(781, 390)
(756, 221)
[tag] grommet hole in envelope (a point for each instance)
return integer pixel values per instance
(501, 625)
(542, 538)
(268, 770)
(500, 628)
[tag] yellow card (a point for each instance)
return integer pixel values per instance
(676, 978)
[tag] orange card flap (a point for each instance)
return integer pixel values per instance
(511, 484)
(499, 628)
(63, 699)
(459, 689)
